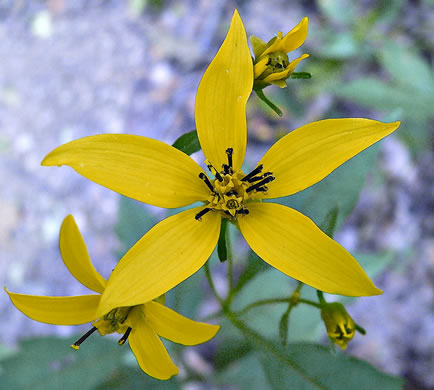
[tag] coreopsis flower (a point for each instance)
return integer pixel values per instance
(271, 63)
(141, 324)
(339, 324)
(158, 174)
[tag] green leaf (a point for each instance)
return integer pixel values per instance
(340, 190)
(230, 350)
(246, 373)
(305, 320)
(312, 367)
(328, 225)
(381, 96)
(134, 221)
(188, 143)
(255, 265)
(375, 263)
(49, 363)
(130, 378)
(407, 67)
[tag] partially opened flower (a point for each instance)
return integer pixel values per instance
(341, 328)
(156, 173)
(271, 63)
(141, 324)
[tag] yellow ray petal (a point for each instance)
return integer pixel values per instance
(148, 348)
(279, 83)
(221, 98)
(76, 257)
(260, 66)
(291, 242)
(275, 44)
(296, 37)
(138, 167)
(177, 328)
(57, 310)
(311, 152)
(169, 253)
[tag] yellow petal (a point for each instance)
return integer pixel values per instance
(258, 45)
(148, 348)
(57, 310)
(76, 257)
(138, 167)
(277, 76)
(287, 72)
(221, 98)
(168, 254)
(279, 83)
(260, 67)
(177, 328)
(296, 37)
(275, 44)
(311, 152)
(291, 242)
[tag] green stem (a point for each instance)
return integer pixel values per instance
(211, 284)
(308, 302)
(320, 294)
(261, 96)
(230, 265)
(264, 345)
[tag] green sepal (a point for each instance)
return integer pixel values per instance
(222, 249)
(301, 75)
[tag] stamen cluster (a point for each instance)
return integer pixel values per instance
(231, 190)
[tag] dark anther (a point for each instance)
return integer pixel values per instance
(227, 169)
(201, 213)
(229, 152)
(243, 211)
(206, 180)
(124, 337)
(262, 189)
(84, 337)
(257, 170)
(255, 178)
(233, 192)
(260, 184)
(215, 172)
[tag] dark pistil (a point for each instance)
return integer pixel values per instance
(257, 170)
(124, 337)
(215, 172)
(206, 180)
(260, 184)
(84, 337)
(201, 213)
(229, 152)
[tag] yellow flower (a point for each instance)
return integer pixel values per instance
(271, 63)
(339, 324)
(142, 323)
(158, 174)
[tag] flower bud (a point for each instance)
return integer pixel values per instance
(340, 326)
(271, 63)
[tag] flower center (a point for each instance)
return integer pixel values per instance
(112, 322)
(277, 62)
(231, 190)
